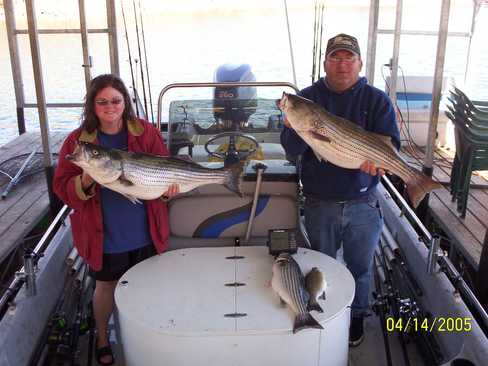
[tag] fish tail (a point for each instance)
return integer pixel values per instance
(234, 178)
(419, 185)
(304, 321)
(314, 305)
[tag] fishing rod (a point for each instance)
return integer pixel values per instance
(55, 327)
(404, 302)
(77, 326)
(380, 304)
(147, 67)
(140, 57)
(128, 50)
(320, 38)
(396, 301)
(314, 49)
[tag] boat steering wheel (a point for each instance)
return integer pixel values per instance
(232, 154)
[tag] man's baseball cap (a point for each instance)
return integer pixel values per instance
(343, 42)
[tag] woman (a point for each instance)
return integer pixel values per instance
(111, 233)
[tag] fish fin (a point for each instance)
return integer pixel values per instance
(133, 199)
(125, 182)
(319, 158)
(185, 158)
(314, 305)
(419, 185)
(282, 303)
(128, 196)
(320, 137)
(234, 179)
(386, 140)
(303, 321)
(322, 296)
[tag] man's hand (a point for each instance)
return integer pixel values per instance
(172, 191)
(370, 168)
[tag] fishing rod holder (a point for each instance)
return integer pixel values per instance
(380, 303)
(434, 254)
(28, 273)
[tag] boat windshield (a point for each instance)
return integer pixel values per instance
(198, 126)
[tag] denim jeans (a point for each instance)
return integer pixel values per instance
(357, 226)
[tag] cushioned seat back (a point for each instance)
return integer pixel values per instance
(224, 216)
(213, 212)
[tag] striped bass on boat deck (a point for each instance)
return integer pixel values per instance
(347, 145)
(148, 176)
(315, 284)
(288, 282)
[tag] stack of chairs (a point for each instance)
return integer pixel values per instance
(470, 119)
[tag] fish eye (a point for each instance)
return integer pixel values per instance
(95, 152)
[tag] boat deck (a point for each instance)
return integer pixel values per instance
(467, 235)
(28, 202)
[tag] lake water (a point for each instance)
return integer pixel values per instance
(188, 47)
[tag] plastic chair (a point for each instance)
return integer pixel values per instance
(477, 106)
(474, 122)
(471, 155)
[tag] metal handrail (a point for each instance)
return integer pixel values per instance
(446, 265)
(407, 209)
(40, 248)
(213, 84)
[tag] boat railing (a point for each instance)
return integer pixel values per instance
(437, 259)
(27, 274)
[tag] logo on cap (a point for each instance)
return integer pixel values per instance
(343, 42)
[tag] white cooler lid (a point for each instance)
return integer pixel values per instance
(184, 293)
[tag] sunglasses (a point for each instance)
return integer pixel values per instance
(105, 102)
(347, 59)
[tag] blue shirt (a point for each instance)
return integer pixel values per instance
(363, 104)
(125, 224)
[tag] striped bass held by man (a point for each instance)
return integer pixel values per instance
(288, 282)
(345, 144)
(147, 176)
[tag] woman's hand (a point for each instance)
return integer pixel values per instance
(370, 168)
(172, 191)
(86, 181)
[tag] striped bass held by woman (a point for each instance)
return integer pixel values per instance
(345, 144)
(148, 176)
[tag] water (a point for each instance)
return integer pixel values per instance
(188, 46)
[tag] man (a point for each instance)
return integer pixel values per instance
(340, 204)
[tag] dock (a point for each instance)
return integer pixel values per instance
(466, 235)
(28, 202)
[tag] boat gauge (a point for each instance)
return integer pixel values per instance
(281, 241)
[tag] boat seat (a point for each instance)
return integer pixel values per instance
(213, 216)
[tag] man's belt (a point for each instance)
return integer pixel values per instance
(366, 198)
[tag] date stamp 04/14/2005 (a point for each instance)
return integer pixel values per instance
(429, 325)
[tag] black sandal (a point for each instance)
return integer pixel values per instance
(102, 352)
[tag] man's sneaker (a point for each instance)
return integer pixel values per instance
(356, 332)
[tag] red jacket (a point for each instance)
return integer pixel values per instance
(86, 219)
